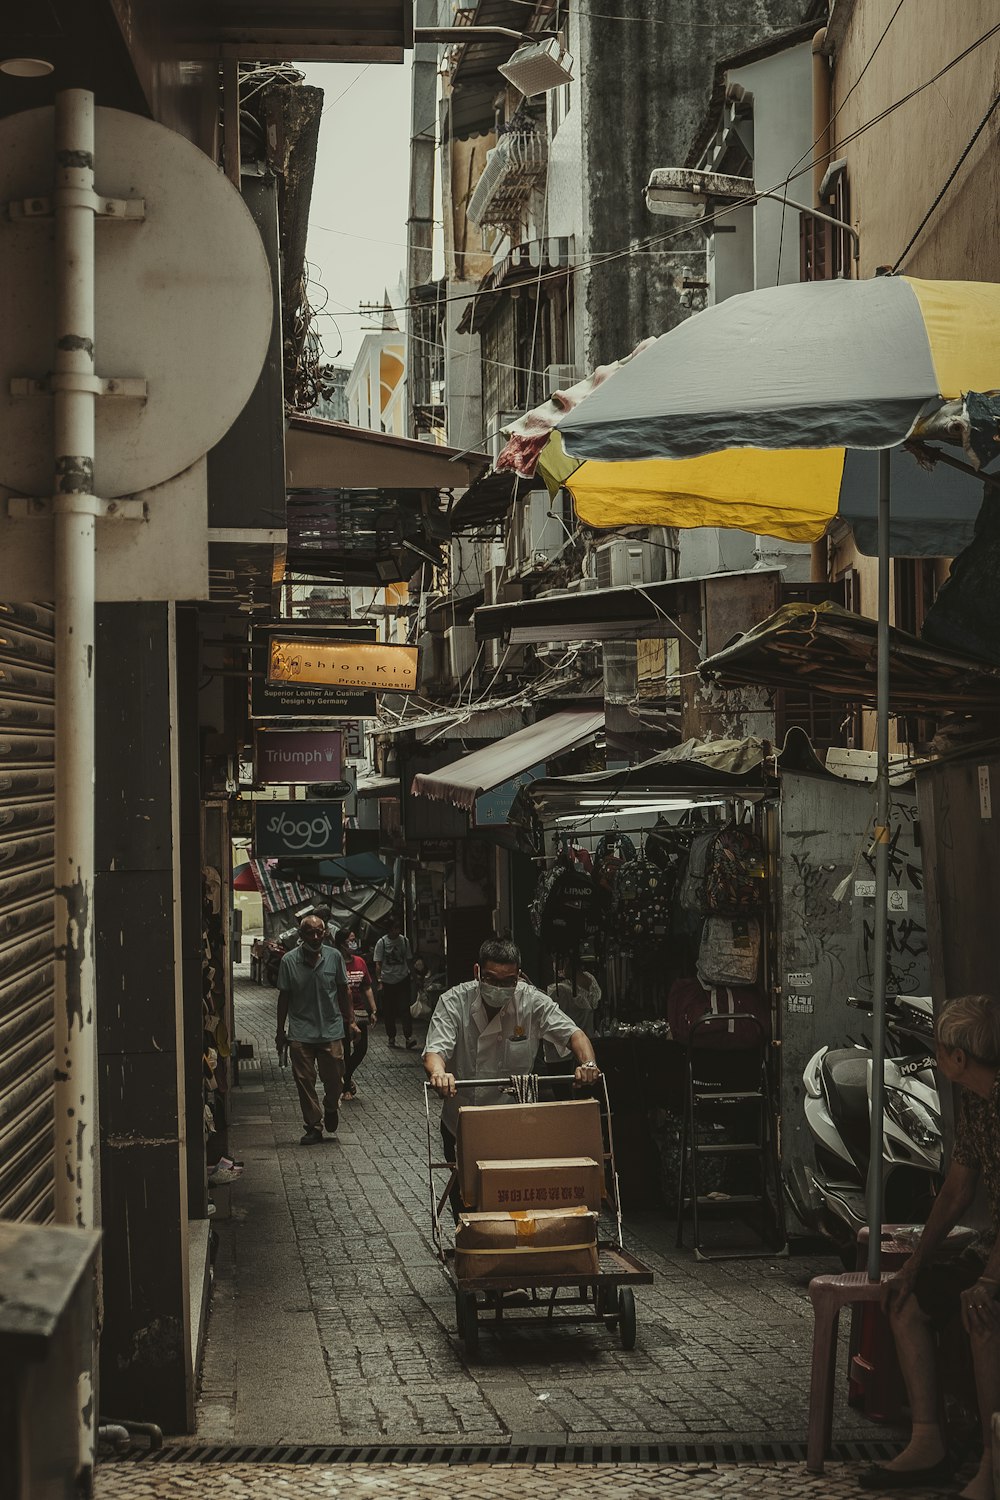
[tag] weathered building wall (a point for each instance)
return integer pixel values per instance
(897, 167)
(647, 87)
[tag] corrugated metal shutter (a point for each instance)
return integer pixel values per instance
(27, 655)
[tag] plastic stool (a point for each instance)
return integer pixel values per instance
(829, 1294)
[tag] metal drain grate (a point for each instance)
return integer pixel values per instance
(734, 1452)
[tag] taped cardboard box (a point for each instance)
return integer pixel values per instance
(524, 1132)
(544, 1242)
(567, 1182)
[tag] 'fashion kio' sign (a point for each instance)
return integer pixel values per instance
(300, 830)
(294, 757)
(362, 664)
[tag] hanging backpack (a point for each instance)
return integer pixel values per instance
(573, 911)
(613, 850)
(729, 952)
(734, 871)
(692, 891)
(641, 902)
(688, 1002)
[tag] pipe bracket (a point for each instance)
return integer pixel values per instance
(37, 508)
(91, 385)
(131, 209)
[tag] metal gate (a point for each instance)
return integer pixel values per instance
(27, 654)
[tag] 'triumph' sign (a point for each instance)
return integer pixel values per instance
(297, 756)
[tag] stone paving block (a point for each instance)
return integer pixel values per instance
(327, 1275)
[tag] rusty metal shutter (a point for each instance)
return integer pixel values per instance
(27, 654)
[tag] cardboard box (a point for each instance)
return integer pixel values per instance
(567, 1182)
(545, 1242)
(524, 1132)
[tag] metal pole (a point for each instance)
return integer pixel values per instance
(74, 510)
(882, 815)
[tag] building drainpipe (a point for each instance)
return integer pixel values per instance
(820, 557)
(420, 219)
(75, 509)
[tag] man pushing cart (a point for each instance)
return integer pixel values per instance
(526, 1181)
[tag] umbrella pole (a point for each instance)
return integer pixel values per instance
(881, 918)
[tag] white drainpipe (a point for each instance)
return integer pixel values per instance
(75, 509)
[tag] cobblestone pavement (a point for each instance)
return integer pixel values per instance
(486, 1482)
(332, 1321)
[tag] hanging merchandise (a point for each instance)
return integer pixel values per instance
(734, 872)
(688, 1002)
(572, 911)
(641, 902)
(692, 891)
(613, 850)
(730, 951)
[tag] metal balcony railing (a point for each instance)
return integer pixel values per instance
(516, 165)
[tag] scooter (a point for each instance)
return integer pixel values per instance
(838, 1112)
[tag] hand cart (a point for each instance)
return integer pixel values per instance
(606, 1297)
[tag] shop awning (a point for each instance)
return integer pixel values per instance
(335, 456)
(487, 501)
(629, 612)
(464, 780)
(693, 770)
(821, 648)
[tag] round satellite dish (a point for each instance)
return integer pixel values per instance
(183, 301)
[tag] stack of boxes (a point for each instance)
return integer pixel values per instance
(532, 1179)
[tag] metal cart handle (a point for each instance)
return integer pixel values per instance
(505, 1083)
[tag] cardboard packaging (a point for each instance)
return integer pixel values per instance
(545, 1242)
(567, 1182)
(524, 1132)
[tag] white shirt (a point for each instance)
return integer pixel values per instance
(473, 1046)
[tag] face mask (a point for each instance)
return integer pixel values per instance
(352, 947)
(496, 996)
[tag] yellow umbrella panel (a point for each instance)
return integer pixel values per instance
(790, 493)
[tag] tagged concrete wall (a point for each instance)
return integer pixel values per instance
(897, 166)
(648, 83)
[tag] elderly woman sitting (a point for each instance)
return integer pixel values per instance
(930, 1289)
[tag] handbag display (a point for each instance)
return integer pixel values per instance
(729, 952)
(688, 1001)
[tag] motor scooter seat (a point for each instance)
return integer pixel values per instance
(845, 1074)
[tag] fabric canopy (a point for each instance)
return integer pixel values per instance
(462, 782)
(764, 370)
(825, 649)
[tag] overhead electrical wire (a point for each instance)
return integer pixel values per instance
(946, 184)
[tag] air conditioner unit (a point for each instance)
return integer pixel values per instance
(623, 562)
(560, 378)
(582, 585)
(540, 531)
(460, 648)
(430, 655)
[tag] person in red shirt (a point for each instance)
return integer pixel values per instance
(363, 1000)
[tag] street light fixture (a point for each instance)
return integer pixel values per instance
(684, 193)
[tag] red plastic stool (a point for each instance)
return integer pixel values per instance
(829, 1294)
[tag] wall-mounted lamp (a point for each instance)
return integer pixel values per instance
(538, 67)
(685, 193)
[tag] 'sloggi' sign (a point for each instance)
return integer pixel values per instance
(299, 830)
(295, 757)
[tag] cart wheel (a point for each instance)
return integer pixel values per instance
(468, 1322)
(626, 1316)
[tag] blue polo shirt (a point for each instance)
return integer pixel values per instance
(313, 1009)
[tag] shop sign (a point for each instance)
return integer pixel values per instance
(332, 663)
(297, 830)
(296, 757)
(436, 851)
(353, 732)
(493, 807)
(302, 700)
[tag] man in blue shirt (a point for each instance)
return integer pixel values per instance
(314, 1015)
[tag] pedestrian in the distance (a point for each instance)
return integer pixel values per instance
(314, 1016)
(359, 982)
(393, 970)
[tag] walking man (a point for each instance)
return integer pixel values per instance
(363, 1003)
(931, 1290)
(314, 1016)
(393, 968)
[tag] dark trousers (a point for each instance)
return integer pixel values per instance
(355, 1048)
(394, 1008)
(454, 1197)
